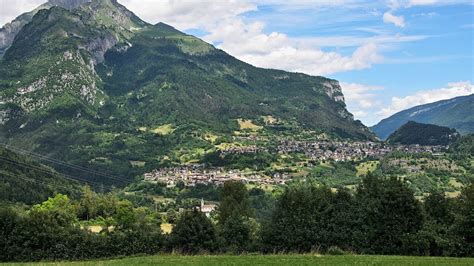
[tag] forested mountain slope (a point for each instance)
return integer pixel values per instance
(96, 86)
(423, 134)
(25, 180)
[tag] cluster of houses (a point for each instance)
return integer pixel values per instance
(191, 175)
(194, 174)
(242, 149)
(349, 151)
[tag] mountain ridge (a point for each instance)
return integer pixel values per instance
(454, 113)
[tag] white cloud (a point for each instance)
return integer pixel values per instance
(422, 2)
(360, 94)
(189, 14)
(248, 41)
(362, 100)
(311, 61)
(398, 21)
(427, 96)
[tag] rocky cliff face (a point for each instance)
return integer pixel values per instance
(100, 45)
(333, 90)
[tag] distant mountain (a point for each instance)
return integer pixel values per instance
(423, 134)
(25, 180)
(453, 113)
(96, 86)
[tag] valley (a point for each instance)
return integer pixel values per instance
(122, 138)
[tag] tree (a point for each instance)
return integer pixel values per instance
(437, 207)
(125, 216)
(302, 220)
(171, 216)
(342, 220)
(236, 233)
(388, 213)
(89, 203)
(435, 238)
(49, 230)
(234, 214)
(10, 221)
(59, 210)
(464, 223)
(107, 205)
(194, 233)
(233, 201)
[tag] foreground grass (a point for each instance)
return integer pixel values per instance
(271, 260)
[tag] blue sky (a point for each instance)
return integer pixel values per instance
(438, 50)
(388, 55)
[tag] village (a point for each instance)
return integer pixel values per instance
(316, 151)
(191, 175)
(350, 151)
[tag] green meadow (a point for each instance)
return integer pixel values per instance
(270, 260)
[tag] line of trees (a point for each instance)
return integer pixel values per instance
(381, 217)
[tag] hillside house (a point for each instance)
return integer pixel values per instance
(207, 209)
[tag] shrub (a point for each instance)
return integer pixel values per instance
(334, 250)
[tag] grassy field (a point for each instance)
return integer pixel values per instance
(248, 124)
(164, 129)
(272, 260)
(365, 167)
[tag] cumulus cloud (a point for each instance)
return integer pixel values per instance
(362, 100)
(360, 95)
(398, 21)
(315, 61)
(247, 41)
(189, 14)
(427, 96)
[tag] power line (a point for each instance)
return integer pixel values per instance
(24, 165)
(39, 182)
(69, 177)
(62, 163)
(65, 164)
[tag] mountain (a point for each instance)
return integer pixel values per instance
(423, 134)
(94, 85)
(453, 113)
(10, 30)
(25, 180)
